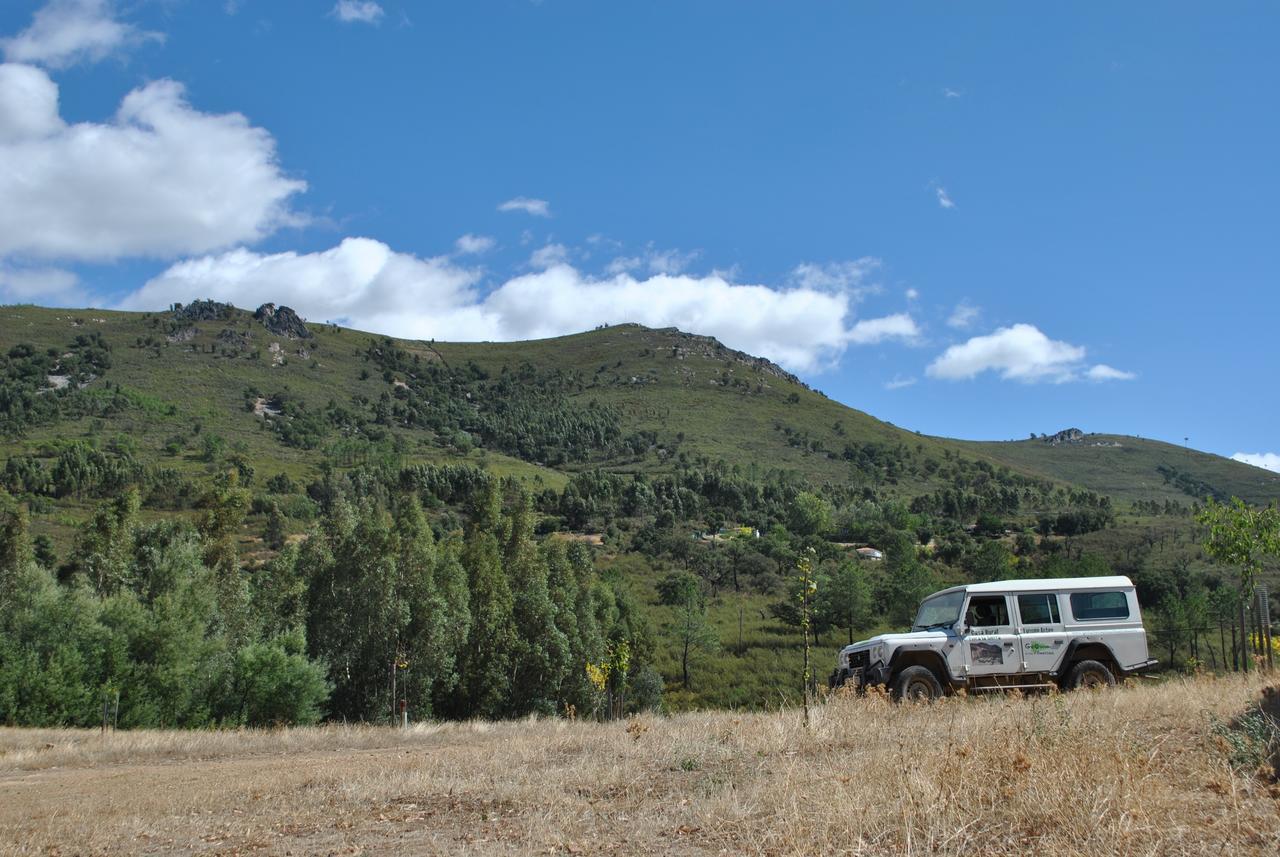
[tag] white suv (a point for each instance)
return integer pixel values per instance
(1068, 633)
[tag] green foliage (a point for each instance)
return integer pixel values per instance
(276, 685)
(1241, 535)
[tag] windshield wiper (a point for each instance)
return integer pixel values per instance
(934, 626)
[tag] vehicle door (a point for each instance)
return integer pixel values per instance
(990, 641)
(1041, 635)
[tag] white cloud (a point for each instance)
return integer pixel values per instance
(474, 244)
(848, 277)
(1020, 353)
(913, 294)
(944, 199)
(1265, 460)
(374, 288)
(551, 254)
(357, 11)
(1103, 372)
(871, 331)
(899, 383)
(65, 32)
(45, 286)
(654, 261)
(536, 207)
(948, 92)
(158, 179)
(963, 316)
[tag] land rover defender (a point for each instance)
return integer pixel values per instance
(1025, 634)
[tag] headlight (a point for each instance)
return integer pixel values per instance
(877, 654)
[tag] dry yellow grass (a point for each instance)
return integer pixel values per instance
(1134, 771)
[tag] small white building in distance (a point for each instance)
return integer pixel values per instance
(869, 553)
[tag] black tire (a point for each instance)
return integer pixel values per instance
(916, 684)
(1090, 675)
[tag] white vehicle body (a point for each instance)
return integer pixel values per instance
(1009, 634)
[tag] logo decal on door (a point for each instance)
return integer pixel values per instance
(986, 653)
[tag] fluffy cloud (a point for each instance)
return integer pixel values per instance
(1265, 460)
(357, 11)
(536, 207)
(944, 199)
(872, 331)
(364, 283)
(65, 32)
(159, 179)
(474, 244)
(1019, 353)
(551, 254)
(46, 286)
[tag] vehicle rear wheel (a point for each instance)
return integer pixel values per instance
(916, 684)
(1090, 675)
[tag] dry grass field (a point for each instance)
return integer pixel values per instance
(1142, 770)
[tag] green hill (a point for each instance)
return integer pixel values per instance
(637, 440)
(1136, 469)
(176, 379)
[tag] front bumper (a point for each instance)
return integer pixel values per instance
(859, 677)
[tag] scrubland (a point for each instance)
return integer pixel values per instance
(1152, 768)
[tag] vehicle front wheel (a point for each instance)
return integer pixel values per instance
(1090, 675)
(916, 684)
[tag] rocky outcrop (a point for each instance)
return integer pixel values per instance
(1071, 435)
(282, 321)
(203, 311)
(708, 346)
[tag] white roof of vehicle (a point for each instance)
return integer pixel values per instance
(1046, 585)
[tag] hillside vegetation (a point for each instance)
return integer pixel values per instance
(311, 504)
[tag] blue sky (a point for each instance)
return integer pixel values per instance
(976, 221)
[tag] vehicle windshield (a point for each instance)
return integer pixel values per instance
(940, 611)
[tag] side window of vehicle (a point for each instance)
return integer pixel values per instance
(987, 611)
(1040, 609)
(1086, 606)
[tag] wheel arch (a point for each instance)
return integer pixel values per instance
(1093, 650)
(928, 658)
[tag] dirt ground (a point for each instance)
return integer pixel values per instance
(1142, 770)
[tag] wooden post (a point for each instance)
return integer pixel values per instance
(1260, 624)
(807, 586)
(1264, 615)
(1244, 634)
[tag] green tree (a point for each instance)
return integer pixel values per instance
(1241, 535)
(354, 618)
(104, 547)
(540, 654)
(422, 641)
(689, 627)
(274, 684)
(809, 515)
(274, 534)
(485, 667)
(844, 598)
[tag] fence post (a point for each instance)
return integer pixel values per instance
(1264, 623)
(1244, 633)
